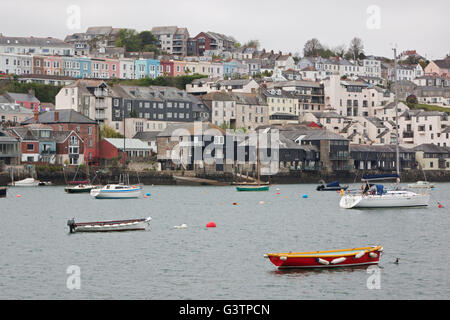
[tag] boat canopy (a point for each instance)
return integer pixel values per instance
(380, 177)
(333, 184)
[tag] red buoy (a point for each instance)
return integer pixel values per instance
(210, 225)
(440, 206)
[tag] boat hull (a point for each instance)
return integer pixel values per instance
(327, 259)
(110, 226)
(116, 194)
(390, 200)
(2, 192)
(79, 190)
(323, 188)
(28, 182)
(252, 188)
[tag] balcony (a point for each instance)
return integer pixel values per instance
(100, 104)
(100, 116)
(100, 93)
(408, 134)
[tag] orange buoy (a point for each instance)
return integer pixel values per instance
(211, 225)
(235, 203)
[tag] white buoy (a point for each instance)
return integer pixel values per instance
(183, 226)
(322, 261)
(338, 260)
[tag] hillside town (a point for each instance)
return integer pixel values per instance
(332, 111)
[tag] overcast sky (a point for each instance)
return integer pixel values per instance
(278, 24)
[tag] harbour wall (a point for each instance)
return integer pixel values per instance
(104, 176)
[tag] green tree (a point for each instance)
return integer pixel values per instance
(108, 132)
(129, 39)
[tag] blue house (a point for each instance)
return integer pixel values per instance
(147, 68)
(228, 69)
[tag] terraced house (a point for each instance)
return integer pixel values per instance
(152, 108)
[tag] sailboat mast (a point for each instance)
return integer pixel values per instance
(257, 155)
(396, 113)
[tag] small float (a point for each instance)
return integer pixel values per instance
(109, 226)
(333, 186)
(327, 259)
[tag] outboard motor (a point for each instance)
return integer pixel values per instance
(71, 224)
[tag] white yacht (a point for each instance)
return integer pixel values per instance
(116, 191)
(375, 196)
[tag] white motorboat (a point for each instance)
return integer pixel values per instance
(421, 185)
(28, 182)
(109, 226)
(375, 196)
(116, 191)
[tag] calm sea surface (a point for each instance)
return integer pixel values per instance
(222, 263)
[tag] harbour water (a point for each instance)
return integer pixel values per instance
(225, 262)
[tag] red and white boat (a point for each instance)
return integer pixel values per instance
(327, 259)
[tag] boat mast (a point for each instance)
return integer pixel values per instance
(257, 155)
(396, 112)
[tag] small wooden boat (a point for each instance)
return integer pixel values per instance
(81, 188)
(2, 192)
(333, 186)
(252, 187)
(327, 259)
(109, 226)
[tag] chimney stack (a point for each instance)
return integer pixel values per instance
(56, 116)
(36, 116)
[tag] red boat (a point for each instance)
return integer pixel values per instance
(327, 259)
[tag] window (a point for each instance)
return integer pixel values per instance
(30, 147)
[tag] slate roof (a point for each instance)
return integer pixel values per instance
(65, 116)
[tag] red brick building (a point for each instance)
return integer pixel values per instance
(70, 120)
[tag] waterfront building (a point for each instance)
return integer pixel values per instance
(9, 148)
(86, 146)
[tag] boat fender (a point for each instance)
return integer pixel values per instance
(266, 255)
(373, 255)
(322, 261)
(360, 254)
(283, 258)
(338, 260)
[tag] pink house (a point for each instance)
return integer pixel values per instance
(178, 68)
(105, 68)
(113, 66)
(439, 67)
(53, 65)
